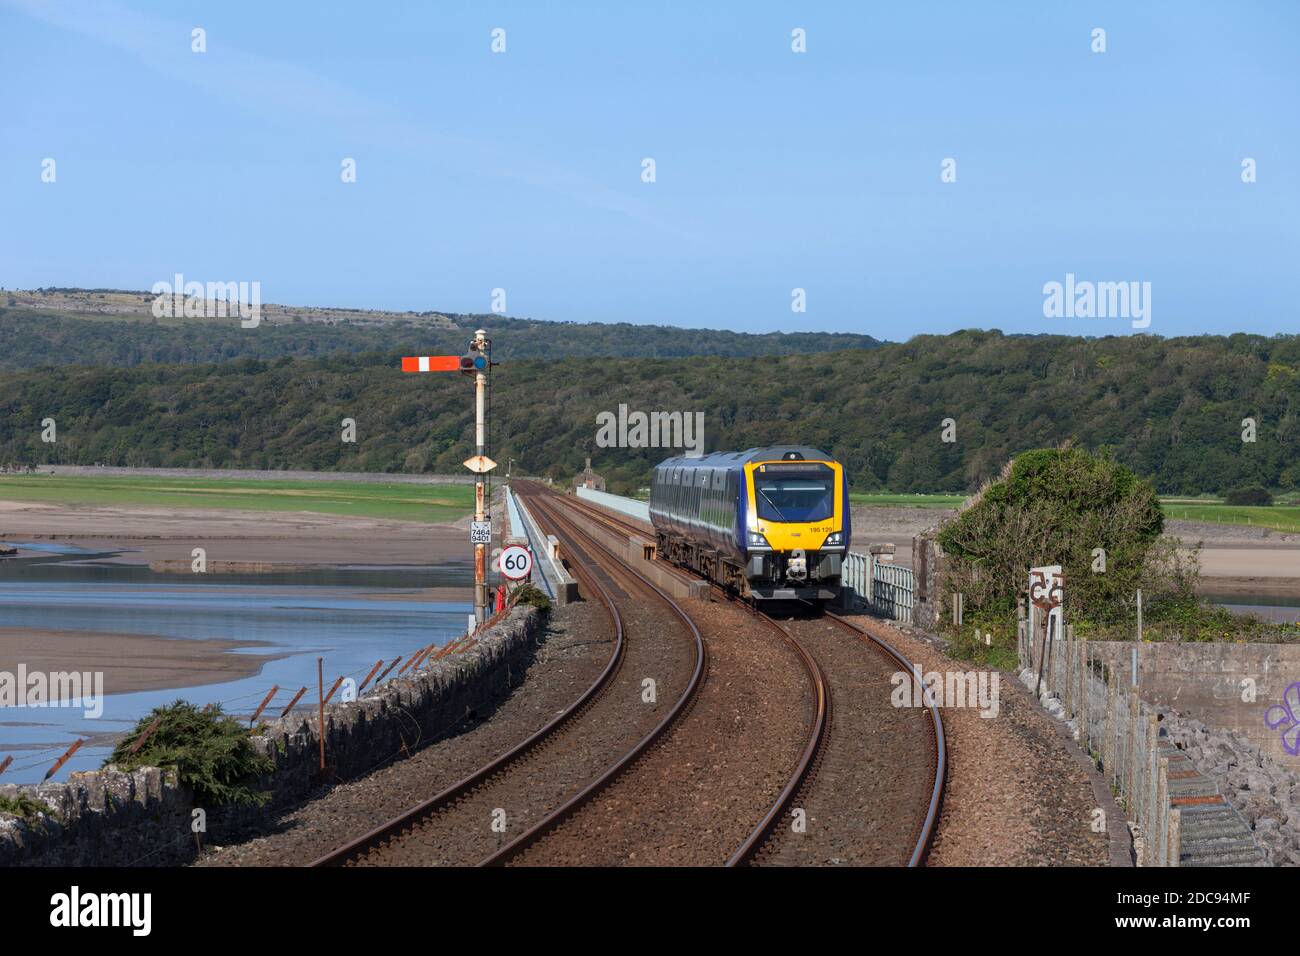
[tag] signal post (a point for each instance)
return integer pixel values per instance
(476, 362)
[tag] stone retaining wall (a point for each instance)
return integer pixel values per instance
(1225, 684)
(1263, 791)
(143, 818)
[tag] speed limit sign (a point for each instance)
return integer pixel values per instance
(516, 562)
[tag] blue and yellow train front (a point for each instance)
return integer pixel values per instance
(797, 524)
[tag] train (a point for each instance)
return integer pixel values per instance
(771, 524)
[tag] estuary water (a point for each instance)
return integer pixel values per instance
(1283, 610)
(350, 616)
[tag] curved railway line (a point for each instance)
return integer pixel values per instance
(837, 744)
(844, 745)
(398, 840)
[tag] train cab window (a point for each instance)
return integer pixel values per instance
(792, 494)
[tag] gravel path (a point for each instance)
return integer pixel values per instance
(1017, 793)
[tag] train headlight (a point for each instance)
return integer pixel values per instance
(834, 538)
(756, 540)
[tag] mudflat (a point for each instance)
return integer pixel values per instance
(130, 662)
(146, 534)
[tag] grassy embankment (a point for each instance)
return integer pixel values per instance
(370, 499)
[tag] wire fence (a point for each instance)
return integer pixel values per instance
(1116, 728)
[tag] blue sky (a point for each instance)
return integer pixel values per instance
(775, 170)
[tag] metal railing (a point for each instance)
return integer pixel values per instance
(556, 581)
(887, 589)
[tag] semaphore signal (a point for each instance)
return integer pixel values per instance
(477, 362)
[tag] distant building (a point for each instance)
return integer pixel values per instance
(589, 479)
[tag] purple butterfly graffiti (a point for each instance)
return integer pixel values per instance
(1287, 716)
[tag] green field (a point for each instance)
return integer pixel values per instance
(907, 501)
(1277, 517)
(368, 499)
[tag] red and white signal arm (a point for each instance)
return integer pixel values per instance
(1047, 587)
(516, 563)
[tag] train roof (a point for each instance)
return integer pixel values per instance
(726, 459)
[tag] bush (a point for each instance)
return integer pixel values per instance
(531, 595)
(1251, 495)
(210, 752)
(1057, 506)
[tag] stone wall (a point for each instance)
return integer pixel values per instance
(1212, 699)
(1264, 791)
(1226, 685)
(111, 818)
(929, 605)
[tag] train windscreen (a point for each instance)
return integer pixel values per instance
(794, 493)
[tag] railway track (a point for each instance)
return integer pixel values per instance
(398, 840)
(768, 842)
(613, 583)
(539, 830)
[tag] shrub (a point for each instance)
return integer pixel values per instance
(531, 595)
(1251, 495)
(1056, 506)
(210, 751)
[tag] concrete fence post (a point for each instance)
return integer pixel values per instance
(1067, 680)
(1175, 836)
(1108, 726)
(1121, 737)
(1087, 697)
(1058, 659)
(1143, 795)
(1162, 820)
(1081, 718)
(1153, 788)
(1138, 800)
(1131, 798)
(1121, 716)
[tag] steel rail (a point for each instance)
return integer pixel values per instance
(539, 830)
(418, 813)
(926, 836)
(819, 728)
(818, 733)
